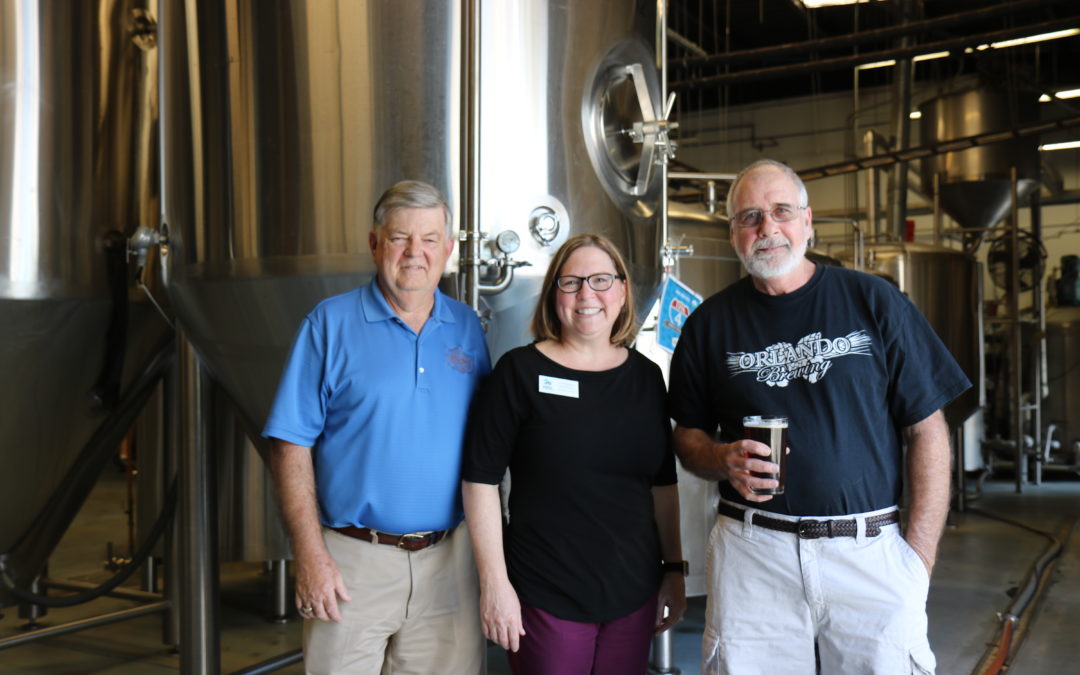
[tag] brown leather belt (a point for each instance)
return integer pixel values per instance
(809, 528)
(414, 541)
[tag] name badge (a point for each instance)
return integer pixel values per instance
(558, 386)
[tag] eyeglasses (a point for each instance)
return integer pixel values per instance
(780, 213)
(598, 282)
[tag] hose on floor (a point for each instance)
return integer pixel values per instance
(139, 557)
(1013, 619)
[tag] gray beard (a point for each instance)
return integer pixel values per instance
(771, 267)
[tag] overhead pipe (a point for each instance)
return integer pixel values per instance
(872, 180)
(902, 104)
(686, 43)
(851, 39)
(955, 145)
(688, 175)
(846, 62)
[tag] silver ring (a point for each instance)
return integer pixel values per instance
(305, 610)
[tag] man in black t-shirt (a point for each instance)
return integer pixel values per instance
(859, 372)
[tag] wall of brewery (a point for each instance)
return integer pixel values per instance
(815, 131)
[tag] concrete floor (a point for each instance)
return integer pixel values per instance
(983, 560)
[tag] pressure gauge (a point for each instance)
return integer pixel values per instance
(508, 241)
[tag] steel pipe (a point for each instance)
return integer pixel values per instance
(200, 649)
(273, 664)
(279, 570)
(817, 66)
(123, 593)
(662, 661)
(852, 39)
(470, 157)
(902, 103)
(82, 624)
(1016, 376)
(955, 145)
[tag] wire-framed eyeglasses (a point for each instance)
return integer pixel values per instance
(780, 213)
(598, 282)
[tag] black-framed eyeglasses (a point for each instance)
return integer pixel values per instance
(780, 213)
(598, 282)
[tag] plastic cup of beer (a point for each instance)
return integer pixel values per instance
(771, 430)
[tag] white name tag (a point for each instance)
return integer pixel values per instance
(558, 386)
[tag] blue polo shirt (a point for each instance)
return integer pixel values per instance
(383, 408)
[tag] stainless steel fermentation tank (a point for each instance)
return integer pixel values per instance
(77, 176)
(974, 186)
(713, 264)
(283, 122)
(944, 284)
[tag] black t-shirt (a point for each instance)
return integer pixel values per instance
(584, 450)
(847, 357)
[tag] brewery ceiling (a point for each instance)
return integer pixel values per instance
(732, 52)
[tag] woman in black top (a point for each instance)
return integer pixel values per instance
(578, 580)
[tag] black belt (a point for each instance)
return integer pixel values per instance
(414, 541)
(808, 528)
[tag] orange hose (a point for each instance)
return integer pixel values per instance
(1003, 648)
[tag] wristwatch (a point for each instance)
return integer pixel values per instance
(676, 566)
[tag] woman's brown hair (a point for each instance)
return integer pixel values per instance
(545, 323)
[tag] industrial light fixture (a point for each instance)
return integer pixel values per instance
(876, 64)
(892, 62)
(931, 55)
(1067, 145)
(1041, 37)
(815, 4)
(1067, 93)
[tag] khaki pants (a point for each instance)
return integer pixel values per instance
(411, 613)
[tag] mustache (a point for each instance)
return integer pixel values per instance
(771, 242)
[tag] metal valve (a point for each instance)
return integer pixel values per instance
(652, 131)
(669, 253)
(143, 239)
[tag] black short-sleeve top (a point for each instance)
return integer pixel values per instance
(847, 357)
(584, 450)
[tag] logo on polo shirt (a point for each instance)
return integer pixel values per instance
(460, 360)
(809, 358)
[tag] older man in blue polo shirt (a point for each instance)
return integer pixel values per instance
(366, 430)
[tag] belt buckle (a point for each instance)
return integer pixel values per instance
(805, 529)
(417, 539)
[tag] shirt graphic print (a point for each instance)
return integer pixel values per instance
(809, 358)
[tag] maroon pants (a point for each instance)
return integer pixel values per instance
(553, 646)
